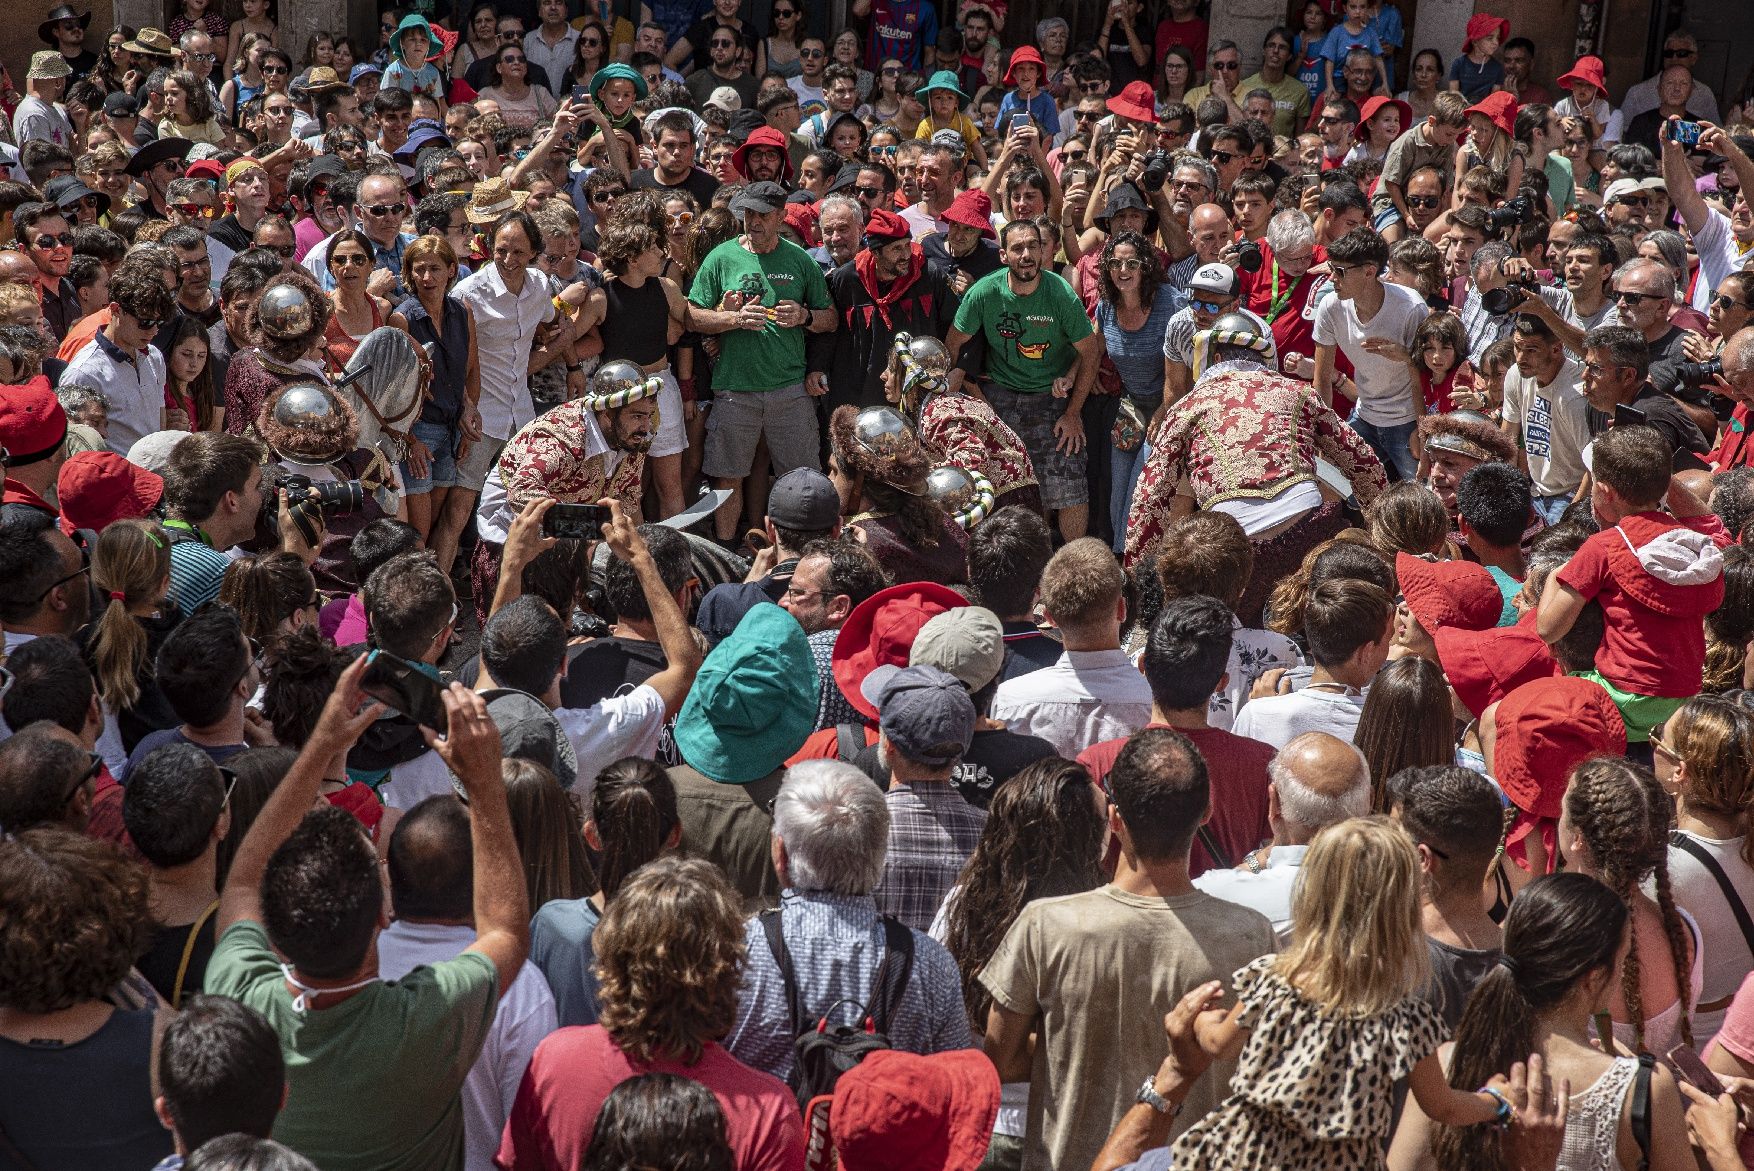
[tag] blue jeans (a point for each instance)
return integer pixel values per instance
(1390, 445)
(1552, 508)
(441, 441)
(1123, 476)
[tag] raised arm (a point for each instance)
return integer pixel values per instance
(681, 653)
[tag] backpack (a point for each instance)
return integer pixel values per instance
(826, 1051)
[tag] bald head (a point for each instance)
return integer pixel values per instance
(1739, 356)
(1318, 780)
(1209, 229)
(431, 863)
(16, 268)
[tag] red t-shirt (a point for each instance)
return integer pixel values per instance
(574, 1069)
(825, 745)
(1294, 326)
(1237, 769)
(1653, 650)
(1189, 34)
(1733, 448)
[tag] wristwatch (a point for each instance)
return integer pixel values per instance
(1149, 1096)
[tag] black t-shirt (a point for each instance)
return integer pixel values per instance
(697, 183)
(81, 65)
(159, 964)
(1668, 417)
(977, 264)
(483, 73)
(700, 35)
(604, 667)
(994, 756)
(230, 232)
(1666, 355)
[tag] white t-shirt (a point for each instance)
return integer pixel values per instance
(1716, 245)
(1280, 719)
(1555, 426)
(1385, 388)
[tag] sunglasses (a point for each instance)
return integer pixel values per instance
(1341, 270)
(380, 210)
(1634, 200)
(1329, 120)
(1577, 142)
(1227, 66)
(149, 324)
(57, 584)
(350, 261)
(891, 71)
(882, 152)
(606, 196)
(231, 782)
(47, 242)
(591, 42)
(284, 251)
(509, 36)
(1223, 157)
(1074, 156)
(812, 53)
(1676, 54)
(1424, 200)
(197, 211)
(1207, 306)
(784, 12)
(724, 45)
(681, 219)
(1092, 87)
(511, 61)
(1129, 264)
(1086, 115)
(1723, 302)
(1632, 298)
(94, 766)
(275, 71)
(869, 192)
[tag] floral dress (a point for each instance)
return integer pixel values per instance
(1311, 1091)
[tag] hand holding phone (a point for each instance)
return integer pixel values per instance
(1691, 1068)
(1683, 133)
(582, 522)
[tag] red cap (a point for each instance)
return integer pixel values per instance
(1026, 54)
(881, 630)
(885, 227)
(1448, 593)
(32, 423)
(205, 169)
(897, 1109)
(1135, 101)
(1500, 107)
(1545, 729)
(1484, 666)
(1373, 106)
(97, 488)
(1590, 71)
(1485, 25)
(764, 136)
(801, 218)
(972, 209)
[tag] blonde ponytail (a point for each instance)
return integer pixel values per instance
(131, 559)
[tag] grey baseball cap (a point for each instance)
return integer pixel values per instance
(804, 499)
(528, 730)
(765, 196)
(926, 715)
(968, 642)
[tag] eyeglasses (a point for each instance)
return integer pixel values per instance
(382, 210)
(349, 261)
(1574, 143)
(450, 624)
(94, 766)
(1629, 297)
(1424, 200)
(1723, 302)
(1126, 263)
(55, 585)
(1677, 54)
(231, 782)
(198, 211)
(1659, 746)
(890, 71)
(47, 242)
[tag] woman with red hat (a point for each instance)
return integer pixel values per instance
(1024, 78)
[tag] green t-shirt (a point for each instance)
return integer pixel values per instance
(1029, 338)
(1290, 101)
(774, 357)
(372, 1083)
(1560, 184)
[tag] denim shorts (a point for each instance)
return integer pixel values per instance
(442, 442)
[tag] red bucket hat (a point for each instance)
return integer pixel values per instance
(32, 423)
(1448, 593)
(972, 209)
(1500, 108)
(897, 1109)
(801, 218)
(1027, 54)
(1135, 101)
(1485, 25)
(1373, 107)
(1484, 666)
(881, 630)
(97, 488)
(1589, 71)
(764, 136)
(1546, 728)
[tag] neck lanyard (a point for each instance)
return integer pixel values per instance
(1279, 299)
(192, 530)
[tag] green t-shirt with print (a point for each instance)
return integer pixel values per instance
(774, 357)
(1030, 338)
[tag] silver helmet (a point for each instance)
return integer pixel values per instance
(1237, 323)
(967, 496)
(304, 404)
(285, 312)
(929, 354)
(882, 431)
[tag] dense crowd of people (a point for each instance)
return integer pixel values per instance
(701, 585)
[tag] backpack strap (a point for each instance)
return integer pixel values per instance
(1688, 845)
(189, 952)
(1641, 1108)
(1220, 859)
(776, 943)
(893, 974)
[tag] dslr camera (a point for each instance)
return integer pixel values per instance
(1696, 374)
(1158, 164)
(1504, 300)
(1514, 213)
(337, 497)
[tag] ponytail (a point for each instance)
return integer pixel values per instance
(634, 808)
(130, 561)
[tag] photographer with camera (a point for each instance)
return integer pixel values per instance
(1619, 372)
(1644, 294)
(1501, 284)
(1588, 265)
(1735, 448)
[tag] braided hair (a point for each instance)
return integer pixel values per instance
(1623, 816)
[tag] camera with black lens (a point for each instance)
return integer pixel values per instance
(1158, 164)
(337, 497)
(1507, 298)
(1248, 256)
(1514, 213)
(1696, 374)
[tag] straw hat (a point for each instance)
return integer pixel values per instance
(493, 199)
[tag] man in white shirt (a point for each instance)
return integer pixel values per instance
(1318, 780)
(1373, 324)
(121, 360)
(554, 43)
(40, 117)
(812, 60)
(1350, 625)
(1713, 240)
(431, 860)
(1546, 413)
(1093, 693)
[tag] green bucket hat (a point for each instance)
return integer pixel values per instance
(616, 70)
(434, 46)
(944, 79)
(753, 702)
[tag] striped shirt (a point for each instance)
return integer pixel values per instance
(900, 30)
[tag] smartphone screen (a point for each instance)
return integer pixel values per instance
(405, 687)
(577, 521)
(1690, 1068)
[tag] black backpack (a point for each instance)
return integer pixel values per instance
(826, 1051)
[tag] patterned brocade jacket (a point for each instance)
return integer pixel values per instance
(562, 453)
(967, 433)
(1243, 432)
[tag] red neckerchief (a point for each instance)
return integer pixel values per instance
(865, 264)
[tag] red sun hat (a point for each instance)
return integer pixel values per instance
(1545, 729)
(1136, 102)
(972, 209)
(898, 1109)
(32, 423)
(1026, 55)
(1484, 25)
(205, 169)
(881, 630)
(98, 488)
(801, 218)
(447, 39)
(1484, 666)
(1590, 71)
(1448, 593)
(1500, 108)
(1373, 106)
(764, 136)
